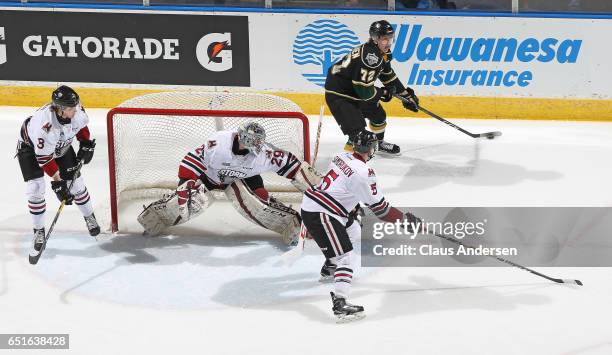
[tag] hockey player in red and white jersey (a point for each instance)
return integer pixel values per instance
(45, 147)
(232, 161)
(328, 214)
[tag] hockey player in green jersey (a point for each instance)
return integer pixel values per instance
(350, 92)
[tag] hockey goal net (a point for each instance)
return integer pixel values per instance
(149, 135)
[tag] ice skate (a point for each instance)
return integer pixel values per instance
(345, 311)
(327, 271)
(388, 149)
(92, 225)
(39, 238)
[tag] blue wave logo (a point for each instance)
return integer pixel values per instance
(321, 44)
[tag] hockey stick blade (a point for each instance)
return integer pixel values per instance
(488, 135)
(506, 261)
(568, 281)
(34, 256)
(290, 257)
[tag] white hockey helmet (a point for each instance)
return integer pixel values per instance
(252, 135)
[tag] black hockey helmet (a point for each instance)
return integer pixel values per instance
(64, 96)
(365, 142)
(380, 28)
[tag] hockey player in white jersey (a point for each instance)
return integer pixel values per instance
(325, 214)
(232, 161)
(45, 147)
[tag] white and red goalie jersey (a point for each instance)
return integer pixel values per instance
(348, 182)
(49, 138)
(216, 161)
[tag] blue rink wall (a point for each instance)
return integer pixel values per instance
(478, 65)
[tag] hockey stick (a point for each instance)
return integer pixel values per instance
(35, 255)
(289, 257)
(562, 281)
(316, 146)
(488, 135)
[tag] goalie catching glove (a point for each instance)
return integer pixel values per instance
(306, 177)
(189, 201)
(184, 196)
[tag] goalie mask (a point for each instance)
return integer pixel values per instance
(252, 135)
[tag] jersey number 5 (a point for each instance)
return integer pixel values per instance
(328, 179)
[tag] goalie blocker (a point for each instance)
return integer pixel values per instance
(233, 162)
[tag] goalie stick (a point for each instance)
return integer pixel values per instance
(292, 255)
(35, 255)
(316, 146)
(488, 135)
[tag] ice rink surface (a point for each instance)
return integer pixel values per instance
(218, 286)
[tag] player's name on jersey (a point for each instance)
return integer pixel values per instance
(105, 47)
(341, 164)
(430, 250)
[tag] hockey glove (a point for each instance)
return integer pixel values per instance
(355, 215)
(183, 193)
(386, 94)
(86, 150)
(61, 191)
(412, 101)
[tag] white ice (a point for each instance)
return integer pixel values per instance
(217, 287)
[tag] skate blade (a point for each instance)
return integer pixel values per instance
(348, 318)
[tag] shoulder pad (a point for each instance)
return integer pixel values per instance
(371, 57)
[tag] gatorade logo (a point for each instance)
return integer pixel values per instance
(214, 51)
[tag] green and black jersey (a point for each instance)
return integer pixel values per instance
(353, 77)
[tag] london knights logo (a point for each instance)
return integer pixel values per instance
(319, 45)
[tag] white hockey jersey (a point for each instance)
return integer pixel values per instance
(221, 166)
(348, 182)
(49, 138)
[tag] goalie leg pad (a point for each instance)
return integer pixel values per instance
(271, 214)
(163, 213)
(306, 177)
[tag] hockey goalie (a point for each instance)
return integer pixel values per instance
(232, 161)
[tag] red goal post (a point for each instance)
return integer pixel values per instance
(149, 135)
